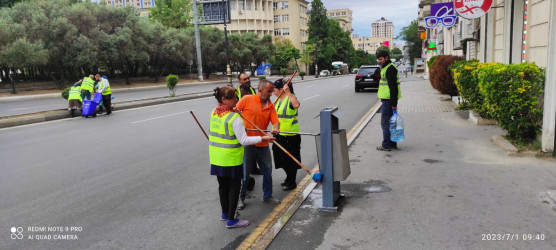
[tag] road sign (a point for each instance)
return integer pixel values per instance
(215, 12)
(471, 9)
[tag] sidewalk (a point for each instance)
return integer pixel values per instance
(448, 187)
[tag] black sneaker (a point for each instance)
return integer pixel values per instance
(381, 148)
(289, 187)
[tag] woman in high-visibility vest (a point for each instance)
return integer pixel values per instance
(286, 107)
(226, 139)
(75, 101)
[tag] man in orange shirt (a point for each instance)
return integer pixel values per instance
(259, 109)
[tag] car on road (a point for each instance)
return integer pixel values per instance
(324, 73)
(367, 77)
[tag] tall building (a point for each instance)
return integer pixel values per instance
(250, 16)
(142, 5)
(343, 16)
(291, 21)
(383, 28)
(367, 44)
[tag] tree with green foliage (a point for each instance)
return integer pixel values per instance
(318, 32)
(397, 54)
(283, 54)
(173, 13)
(412, 40)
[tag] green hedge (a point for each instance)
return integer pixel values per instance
(465, 79)
(513, 95)
(431, 61)
(440, 75)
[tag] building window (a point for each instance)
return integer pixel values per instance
(256, 4)
(278, 32)
(286, 32)
(262, 5)
(285, 18)
(337, 13)
(285, 5)
(303, 20)
(303, 32)
(344, 13)
(241, 4)
(302, 9)
(331, 14)
(276, 19)
(233, 4)
(248, 4)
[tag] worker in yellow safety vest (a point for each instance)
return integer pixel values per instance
(286, 108)
(87, 84)
(75, 101)
(104, 88)
(226, 139)
(244, 88)
(388, 92)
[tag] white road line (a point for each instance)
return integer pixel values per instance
(310, 97)
(160, 117)
(310, 85)
(347, 85)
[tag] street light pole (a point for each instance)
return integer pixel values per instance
(228, 69)
(197, 40)
(316, 60)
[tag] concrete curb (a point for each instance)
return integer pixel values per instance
(12, 121)
(505, 145)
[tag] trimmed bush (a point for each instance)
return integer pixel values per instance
(171, 82)
(465, 79)
(65, 93)
(441, 77)
(431, 61)
(283, 71)
(513, 95)
(302, 75)
(262, 77)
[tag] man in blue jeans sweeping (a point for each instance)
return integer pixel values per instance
(388, 92)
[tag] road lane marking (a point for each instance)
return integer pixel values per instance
(310, 85)
(154, 118)
(347, 85)
(310, 97)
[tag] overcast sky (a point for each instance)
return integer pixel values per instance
(400, 12)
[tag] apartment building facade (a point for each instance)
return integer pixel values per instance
(383, 28)
(343, 16)
(511, 32)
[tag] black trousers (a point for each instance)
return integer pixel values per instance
(228, 189)
(281, 160)
(107, 102)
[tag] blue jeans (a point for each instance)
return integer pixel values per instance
(385, 124)
(257, 155)
(86, 95)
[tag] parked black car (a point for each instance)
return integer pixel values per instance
(367, 78)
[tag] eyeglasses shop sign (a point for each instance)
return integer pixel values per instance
(471, 9)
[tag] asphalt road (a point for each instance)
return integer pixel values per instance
(140, 177)
(18, 106)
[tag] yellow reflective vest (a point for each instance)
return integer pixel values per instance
(107, 91)
(383, 89)
(238, 91)
(87, 84)
(224, 147)
(287, 116)
(75, 94)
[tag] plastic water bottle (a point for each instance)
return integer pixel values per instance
(396, 127)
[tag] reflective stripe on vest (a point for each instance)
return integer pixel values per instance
(224, 147)
(239, 92)
(87, 84)
(107, 91)
(383, 89)
(75, 94)
(287, 117)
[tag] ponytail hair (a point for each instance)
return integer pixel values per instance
(224, 91)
